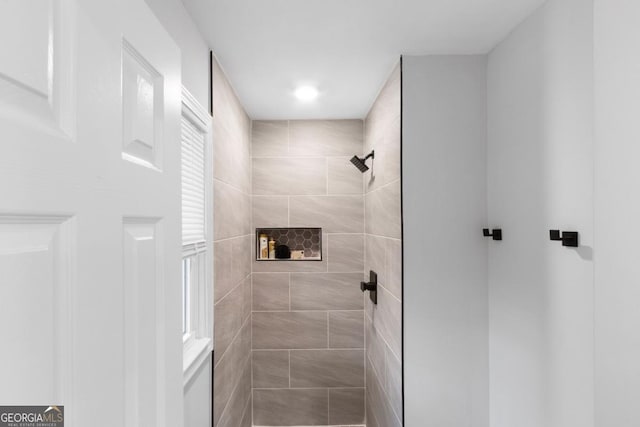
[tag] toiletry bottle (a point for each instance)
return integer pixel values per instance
(264, 247)
(272, 249)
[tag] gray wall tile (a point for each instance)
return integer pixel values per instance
(382, 211)
(269, 138)
(277, 330)
(232, 211)
(286, 407)
(246, 302)
(232, 262)
(387, 319)
(346, 406)
(375, 257)
(234, 411)
(393, 283)
(325, 137)
(270, 291)
(223, 280)
(270, 369)
(393, 385)
(240, 258)
(228, 318)
(289, 176)
(247, 417)
(376, 349)
(343, 176)
(326, 291)
(346, 329)
(381, 410)
(228, 370)
(335, 214)
(270, 211)
(327, 368)
(291, 186)
(346, 252)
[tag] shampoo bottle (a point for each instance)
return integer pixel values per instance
(264, 247)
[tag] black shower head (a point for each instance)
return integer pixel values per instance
(360, 163)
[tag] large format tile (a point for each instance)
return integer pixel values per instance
(231, 130)
(346, 406)
(394, 267)
(232, 211)
(343, 176)
(334, 214)
(289, 176)
(346, 329)
(269, 138)
(228, 369)
(327, 368)
(394, 383)
(384, 111)
(326, 291)
(234, 411)
(382, 211)
(375, 257)
(376, 349)
(286, 407)
(222, 276)
(240, 258)
(381, 409)
(270, 291)
(270, 369)
(325, 137)
(270, 211)
(228, 318)
(385, 168)
(284, 330)
(247, 417)
(387, 319)
(246, 303)
(346, 252)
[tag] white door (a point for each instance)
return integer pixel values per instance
(90, 313)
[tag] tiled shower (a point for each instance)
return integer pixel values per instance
(297, 342)
(308, 316)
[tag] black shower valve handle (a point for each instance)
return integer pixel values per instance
(367, 286)
(371, 286)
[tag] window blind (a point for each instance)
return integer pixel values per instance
(193, 184)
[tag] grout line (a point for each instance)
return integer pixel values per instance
(240, 283)
(328, 405)
(235, 337)
(309, 349)
(328, 345)
(306, 311)
(289, 355)
(289, 274)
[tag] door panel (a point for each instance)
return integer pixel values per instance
(90, 211)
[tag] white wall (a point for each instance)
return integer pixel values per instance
(445, 255)
(195, 77)
(195, 52)
(617, 212)
(540, 176)
(197, 397)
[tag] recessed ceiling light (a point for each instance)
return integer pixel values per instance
(306, 93)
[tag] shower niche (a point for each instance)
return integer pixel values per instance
(289, 244)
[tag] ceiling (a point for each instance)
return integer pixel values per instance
(346, 48)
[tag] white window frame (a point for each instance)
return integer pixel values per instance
(198, 341)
